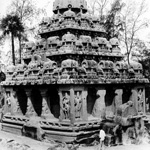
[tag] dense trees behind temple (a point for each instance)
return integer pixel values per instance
(122, 19)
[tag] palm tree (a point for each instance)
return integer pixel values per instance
(11, 25)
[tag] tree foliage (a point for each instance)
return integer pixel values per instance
(98, 7)
(133, 23)
(11, 25)
(145, 58)
(123, 20)
(27, 11)
(113, 24)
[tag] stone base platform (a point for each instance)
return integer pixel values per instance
(80, 132)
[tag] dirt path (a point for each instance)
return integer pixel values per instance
(10, 141)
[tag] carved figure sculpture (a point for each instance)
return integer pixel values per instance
(8, 103)
(69, 18)
(66, 105)
(125, 112)
(10, 71)
(84, 20)
(78, 104)
(102, 43)
(86, 41)
(46, 113)
(90, 66)
(115, 45)
(140, 100)
(52, 43)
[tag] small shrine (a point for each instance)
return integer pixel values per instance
(72, 80)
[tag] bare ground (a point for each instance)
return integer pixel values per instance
(10, 141)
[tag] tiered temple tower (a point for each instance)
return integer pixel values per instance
(73, 79)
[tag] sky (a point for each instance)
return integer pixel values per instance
(48, 5)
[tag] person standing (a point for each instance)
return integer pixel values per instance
(102, 136)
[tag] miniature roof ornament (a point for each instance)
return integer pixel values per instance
(69, 63)
(75, 4)
(68, 37)
(53, 40)
(101, 40)
(135, 65)
(69, 13)
(114, 41)
(45, 20)
(29, 45)
(95, 19)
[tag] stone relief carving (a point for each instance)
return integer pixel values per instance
(140, 100)
(66, 105)
(78, 104)
(8, 104)
(46, 113)
(30, 109)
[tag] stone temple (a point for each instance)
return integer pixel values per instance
(72, 80)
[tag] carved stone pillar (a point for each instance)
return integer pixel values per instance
(84, 105)
(46, 113)
(118, 98)
(30, 109)
(61, 106)
(72, 109)
(16, 106)
(134, 98)
(99, 106)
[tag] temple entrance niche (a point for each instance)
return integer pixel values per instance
(21, 100)
(53, 101)
(127, 93)
(36, 99)
(91, 99)
(110, 102)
